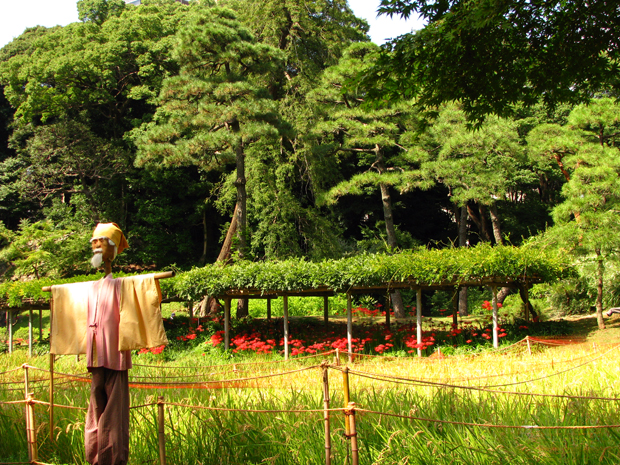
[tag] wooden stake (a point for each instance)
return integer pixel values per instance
(32, 431)
(345, 390)
(285, 310)
(495, 325)
(52, 360)
(268, 308)
(418, 319)
(350, 412)
(162, 433)
(529, 347)
(328, 443)
(349, 327)
(227, 323)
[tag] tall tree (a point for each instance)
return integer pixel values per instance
(217, 106)
(366, 138)
(587, 221)
(490, 55)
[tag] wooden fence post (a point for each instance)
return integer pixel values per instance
(529, 347)
(52, 360)
(350, 412)
(388, 301)
(162, 433)
(268, 308)
(32, 431)
(328, 443)
(347, 399)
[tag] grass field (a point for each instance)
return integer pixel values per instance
(487, 407)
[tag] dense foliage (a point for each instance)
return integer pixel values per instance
(168, 118)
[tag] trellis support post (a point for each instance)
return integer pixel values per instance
(418, 320)
(32, 431)
(349, 327)
(30, 335)
(227, 323)
(285, 318)
(495, 324)
(325, 310)
(268, 308)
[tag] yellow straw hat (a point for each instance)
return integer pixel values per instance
(112, 232)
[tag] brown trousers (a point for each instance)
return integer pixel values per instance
(106, 434)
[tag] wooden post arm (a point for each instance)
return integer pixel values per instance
(164, 275)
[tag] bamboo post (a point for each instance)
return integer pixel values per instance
(162, 433)
(326, 309)
(495, 325)
(346, 395)
(388, 301)
(30, 333)
(268, 308)
(285, 309)
(52, 359)
(226, 323)
(27, 412)
(328, 443)
(32, 431)
(350, 412)
(529, 347)
(337, 357)
(10, 319)
(349, 327)
(418, 319)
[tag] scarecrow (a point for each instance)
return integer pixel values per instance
(106, 319)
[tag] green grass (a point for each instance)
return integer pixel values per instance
(197, 436)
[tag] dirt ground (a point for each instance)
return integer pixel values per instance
(585, 325)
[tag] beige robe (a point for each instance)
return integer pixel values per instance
(140, 326)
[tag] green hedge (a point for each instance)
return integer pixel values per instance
(422, 266)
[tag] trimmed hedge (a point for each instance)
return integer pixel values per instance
(416, 267)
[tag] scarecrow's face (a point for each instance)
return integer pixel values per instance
(103, 247)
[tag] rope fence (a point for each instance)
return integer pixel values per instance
(350, 410)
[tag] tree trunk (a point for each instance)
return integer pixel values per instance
(242, 197)
(600, 271)
(242, 304)
(463, 311)
(485, 224)
(397, 299)
(209, 305)
(497, 232)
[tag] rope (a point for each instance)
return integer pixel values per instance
(58, 405)
(10, 371)
(222, 409)
(322, 354)
(201, 385)
(415, 382)
(13, 402)
(487, 425)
